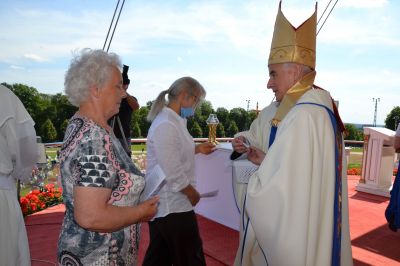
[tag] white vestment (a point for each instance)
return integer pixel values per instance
(288, 213)
(18, 154)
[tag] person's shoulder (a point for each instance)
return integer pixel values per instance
(316, 96)
(165, 119)
(7, 95)
(269, 109)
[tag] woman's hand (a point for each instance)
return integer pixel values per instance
(148, 209)
(192, 194)
(255, 155)
(238, 144)
(205, 148)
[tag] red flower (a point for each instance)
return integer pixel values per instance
(33, 207)
(37, 200)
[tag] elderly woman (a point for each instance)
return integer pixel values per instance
(174, 233)
(101, 185)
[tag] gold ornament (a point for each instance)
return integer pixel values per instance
(212, 123)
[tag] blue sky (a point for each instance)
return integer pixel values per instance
(223, 44)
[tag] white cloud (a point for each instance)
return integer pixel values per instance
(34, 57)
(17, 67)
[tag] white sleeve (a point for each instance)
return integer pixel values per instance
(167, 149)
(398, 130)
(21, 138)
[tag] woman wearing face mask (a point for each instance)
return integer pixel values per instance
(174, 233)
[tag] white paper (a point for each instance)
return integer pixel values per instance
(155, 180)
(210, 194)
(226, 146)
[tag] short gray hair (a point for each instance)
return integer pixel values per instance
(189, 84)
(304, 69)
(88, 68)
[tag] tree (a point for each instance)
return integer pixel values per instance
(353, 133)
(241, 118)
(223, 116)
(196, 130)
(141, 116)
(220, 131)
(63, 110)
(63, 128)
(136, 130)
(49, 132)
(393, 118)
(205, 109)
(232, 129)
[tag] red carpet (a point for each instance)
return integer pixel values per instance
(372, 241)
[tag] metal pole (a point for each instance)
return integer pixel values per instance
(375, 100)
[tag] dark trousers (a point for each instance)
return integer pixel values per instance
(175, 240)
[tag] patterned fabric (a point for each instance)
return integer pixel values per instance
(91, 157)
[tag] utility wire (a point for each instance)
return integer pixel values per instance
(108, 47)
(112, 21)
(324, 12)
(327, 16)
(115, 25)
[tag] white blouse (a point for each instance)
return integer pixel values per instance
(170, 145)
(398, 131)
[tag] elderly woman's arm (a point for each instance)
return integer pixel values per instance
(93, 212)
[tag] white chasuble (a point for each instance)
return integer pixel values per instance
(288, 210)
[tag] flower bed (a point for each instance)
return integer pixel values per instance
(40, 199)
(354, 171)
(357, 171)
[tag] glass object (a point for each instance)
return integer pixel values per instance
(212, 122)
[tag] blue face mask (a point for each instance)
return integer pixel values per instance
(186, 112)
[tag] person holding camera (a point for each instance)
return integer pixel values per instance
(122, 122)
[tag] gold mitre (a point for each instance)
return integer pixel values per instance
(294, 45)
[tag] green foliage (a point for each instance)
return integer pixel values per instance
(51, 114)
(196, 130)
(220, 131)
(393, 118)
(49, 132)
(353, 133)
(63, 127)
(232, 129)
(144, 125)
(135, 130)
(223, 117)
(241, 118)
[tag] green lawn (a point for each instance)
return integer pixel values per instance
(356, 149)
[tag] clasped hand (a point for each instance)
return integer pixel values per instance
(254, 155)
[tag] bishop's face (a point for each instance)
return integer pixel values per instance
(281, 78)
